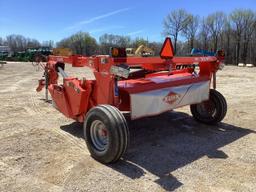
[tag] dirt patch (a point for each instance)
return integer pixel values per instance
(41, 150)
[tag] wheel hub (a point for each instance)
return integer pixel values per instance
(207, 108)
(99, 135)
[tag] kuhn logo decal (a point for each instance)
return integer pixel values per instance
(171, 98)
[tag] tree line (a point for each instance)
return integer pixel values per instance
(19, 43)
(83, 43)
(235, 33)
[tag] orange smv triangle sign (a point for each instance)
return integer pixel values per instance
(167, 49)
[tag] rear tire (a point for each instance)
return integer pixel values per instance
(106, 133)
(212, 111)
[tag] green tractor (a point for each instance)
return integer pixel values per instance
(3, 55)
(31, 55)
(35, 54)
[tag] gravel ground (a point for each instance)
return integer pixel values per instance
(41, 150)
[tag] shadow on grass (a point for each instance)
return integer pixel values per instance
(162, 144)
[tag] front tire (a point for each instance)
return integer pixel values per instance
(106, 133)
(211, 111)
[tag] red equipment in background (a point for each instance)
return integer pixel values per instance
(159, 85)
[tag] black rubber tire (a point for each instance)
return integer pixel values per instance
(220, 105)
(118, 133)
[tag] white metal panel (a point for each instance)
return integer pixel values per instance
(158, 101)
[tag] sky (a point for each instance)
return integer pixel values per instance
(56, 19)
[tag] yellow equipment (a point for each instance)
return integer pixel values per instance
(62, 52)
(141, 51)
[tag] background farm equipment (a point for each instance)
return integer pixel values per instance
(4, 55)
(30, 55)
(141, 51)
(159, 85)
(62, 52)
(38, 54)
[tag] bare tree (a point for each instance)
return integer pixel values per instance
(111, 40)
(174, 23)
(204, 34)
(20, 43)
(237, 23)
(249, 29)
(215, 23)
(139, 41)
(252, 50)
(1, 41)
(190, 30)
(32, 43)
(156, 47)
(16, 42)
(49, 44)
(227, 41)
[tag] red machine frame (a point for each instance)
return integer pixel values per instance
(113, 86)
(75, 97)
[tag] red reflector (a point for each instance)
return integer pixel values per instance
(118, 52)
(167, 49)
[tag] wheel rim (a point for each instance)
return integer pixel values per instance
(207, 109)
(99, 135)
